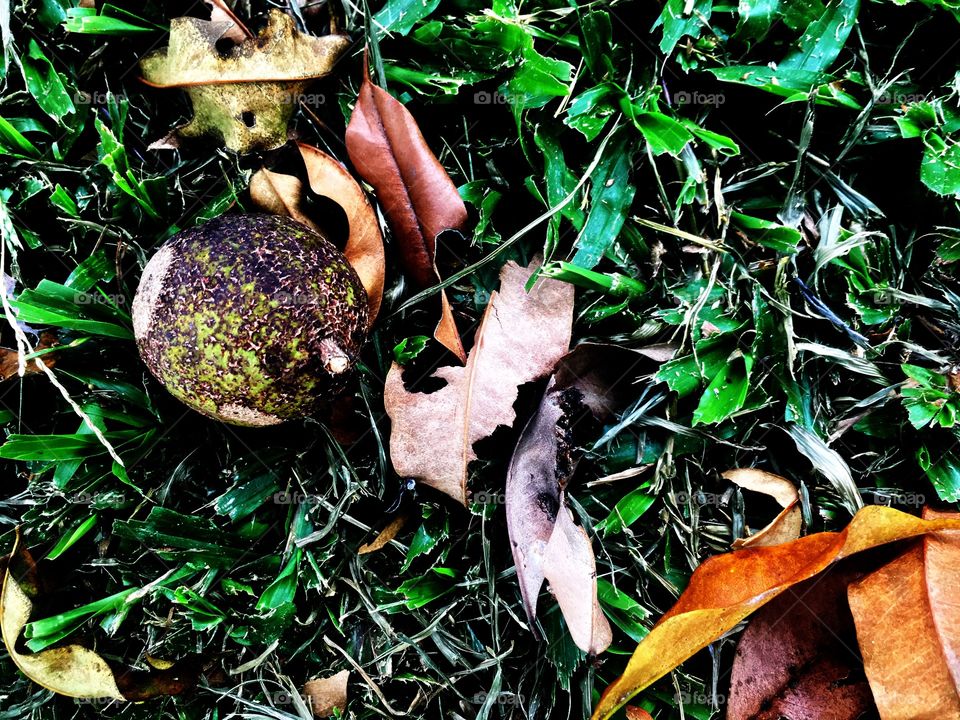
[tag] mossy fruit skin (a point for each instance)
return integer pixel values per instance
(251, 319)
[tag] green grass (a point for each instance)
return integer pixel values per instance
(791, 231)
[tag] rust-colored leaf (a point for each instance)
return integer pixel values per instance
(907, 615)
(418, 198)
(785, 526)
(10, 359)
(635, 713)
(726, 589)
(282, 194)
(546, 543)
(798, 657)
(520, 338)
(247, 95)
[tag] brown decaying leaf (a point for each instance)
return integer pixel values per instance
(785, 526)
(520, 338)
(727, 588)
(798, 657)
(384, 536)
(634, 713)
(418, 198)
(247, 95)
(546, 543)
(283, 195)
(10, 359)
(73, 670)
(327, 694)
(907, 615)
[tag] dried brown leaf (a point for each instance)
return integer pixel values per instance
(221, 12)
(908, 625)
(546, 543)
(418, 198)
(570, 568)
(247, 95)
(520, 339)
(327, 694)
(364, 247)
(785, 526)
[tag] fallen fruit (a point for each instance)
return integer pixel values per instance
(250, 319)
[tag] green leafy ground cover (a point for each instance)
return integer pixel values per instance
(770, 186)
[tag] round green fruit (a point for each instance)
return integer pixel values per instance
(251, 319)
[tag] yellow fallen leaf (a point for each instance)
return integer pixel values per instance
(71, 670)
(247, 95)
(385, 536)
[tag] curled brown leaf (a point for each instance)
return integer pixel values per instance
(785, 526)
(546, 543)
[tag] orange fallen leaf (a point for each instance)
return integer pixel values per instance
(418, 198)
(635, 713)
(728, 588)
(521, 337)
